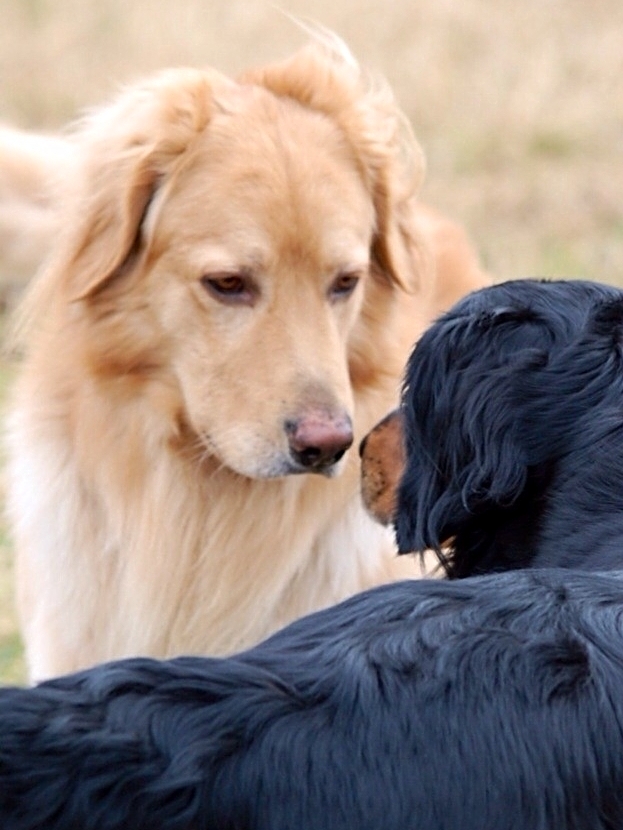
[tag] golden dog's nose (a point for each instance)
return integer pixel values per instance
(318, 439)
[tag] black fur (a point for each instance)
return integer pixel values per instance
(513, 403)
(491, 703)
(486, 704)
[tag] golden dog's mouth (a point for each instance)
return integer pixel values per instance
(315, 442)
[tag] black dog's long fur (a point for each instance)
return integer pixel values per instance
(513, 406)
(486, 704)
(490, 703)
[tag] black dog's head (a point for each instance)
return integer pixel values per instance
(513, 383)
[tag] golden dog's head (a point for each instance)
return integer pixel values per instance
(240, 244)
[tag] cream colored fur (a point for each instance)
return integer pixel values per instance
(150, 487)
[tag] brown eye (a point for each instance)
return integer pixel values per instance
(343, 285)
(233, 289)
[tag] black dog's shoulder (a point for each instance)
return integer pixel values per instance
(469, 705)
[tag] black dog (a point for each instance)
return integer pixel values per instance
(493, 703)
(513, 412)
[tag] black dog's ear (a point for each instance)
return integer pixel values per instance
(464, 452)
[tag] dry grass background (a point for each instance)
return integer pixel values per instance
(519, 108)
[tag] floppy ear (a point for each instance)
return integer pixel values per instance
(399, 253)
(465, 452)
(110, 231)
(126, 151)
(395, 167)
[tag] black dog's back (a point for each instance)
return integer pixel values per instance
(487, 704)
(513, 407)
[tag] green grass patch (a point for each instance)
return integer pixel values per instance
(551, 145)
(12, 666)
(563, 260)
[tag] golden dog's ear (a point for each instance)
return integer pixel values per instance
(400, 254)
(399, 250)
(111, 230)
(125, 152)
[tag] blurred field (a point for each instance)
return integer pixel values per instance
(519, 108)
(11, 660)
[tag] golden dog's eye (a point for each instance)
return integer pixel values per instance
(232, 289)
(343, 285)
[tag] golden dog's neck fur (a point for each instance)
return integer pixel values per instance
(147, 422)
(184, 555)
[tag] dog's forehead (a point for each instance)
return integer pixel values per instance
(252, 186)
(276, 156)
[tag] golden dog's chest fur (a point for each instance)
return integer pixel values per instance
(234, 256)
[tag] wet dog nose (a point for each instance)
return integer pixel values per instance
(318, 440)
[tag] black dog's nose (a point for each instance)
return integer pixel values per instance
(362, 445)
(318, 440)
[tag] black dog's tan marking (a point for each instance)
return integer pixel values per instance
(382, 465)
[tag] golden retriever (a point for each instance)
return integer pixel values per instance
(240, 272)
